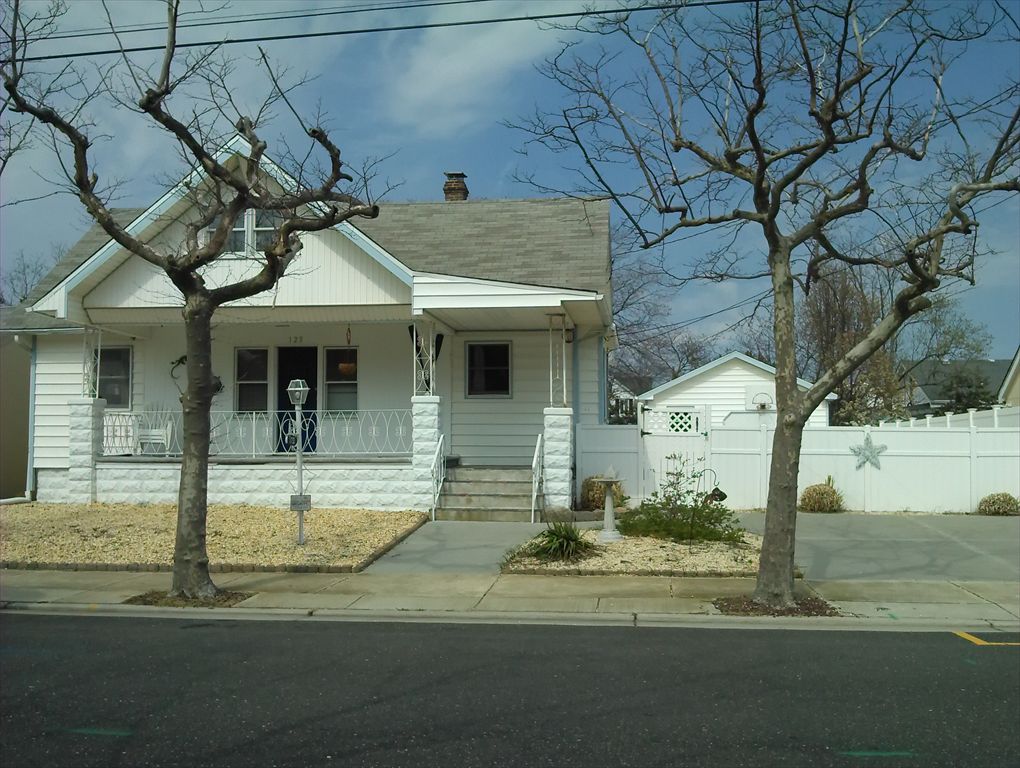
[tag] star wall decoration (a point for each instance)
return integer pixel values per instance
(868, 452)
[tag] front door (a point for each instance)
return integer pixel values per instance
(296, 363)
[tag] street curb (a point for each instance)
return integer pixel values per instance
(639, 620)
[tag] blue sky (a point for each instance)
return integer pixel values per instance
(435, 100)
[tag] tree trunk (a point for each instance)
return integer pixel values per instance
(775, 569)
(191, 561)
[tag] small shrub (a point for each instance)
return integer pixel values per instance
(560, 541)
(680, 511)
(822, 497)
(999, 504)
(593, 495)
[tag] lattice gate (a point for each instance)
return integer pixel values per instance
(669, 431)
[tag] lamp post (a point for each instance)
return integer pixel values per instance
(297, 391)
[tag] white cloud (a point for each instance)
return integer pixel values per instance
(452, 79)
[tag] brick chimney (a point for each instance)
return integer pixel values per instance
(455, 188)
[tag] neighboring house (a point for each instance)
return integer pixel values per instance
(1009, 392)
(733, 390)
(932, 383)
(622, 404)
(14, 368)
(440, 333)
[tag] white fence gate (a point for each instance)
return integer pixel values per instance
(672, 431)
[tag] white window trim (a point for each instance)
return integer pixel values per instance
(324, 402)
(510, 369)
(268, 382)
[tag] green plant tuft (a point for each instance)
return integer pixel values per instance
(822, 497)
(560, 541)
(999, 504)
(681, 511)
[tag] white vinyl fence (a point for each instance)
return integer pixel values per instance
(927, 468)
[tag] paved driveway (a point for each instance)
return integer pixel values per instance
(904, 547)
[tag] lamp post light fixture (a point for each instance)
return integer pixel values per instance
(297, 391)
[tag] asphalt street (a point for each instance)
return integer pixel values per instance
(90, 691)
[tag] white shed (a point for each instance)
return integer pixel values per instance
(734, 387)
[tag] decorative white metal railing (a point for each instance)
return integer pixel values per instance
(438, 470)
(325, 433)
(536, 475)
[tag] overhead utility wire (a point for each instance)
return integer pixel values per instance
(398, 28)
(248, 18)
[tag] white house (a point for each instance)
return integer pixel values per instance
(734, 390)
(459, 333)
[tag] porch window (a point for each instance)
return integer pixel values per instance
(488, 369)
(113, 376)
(342, 379)
(252, 380)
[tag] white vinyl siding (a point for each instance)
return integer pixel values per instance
(503, 430)
(330, 270)
(588, 371)
(58, 379)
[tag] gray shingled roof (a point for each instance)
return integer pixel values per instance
(934, 377)
(17, 318)
(560, 243)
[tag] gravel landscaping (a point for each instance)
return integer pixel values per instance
(646, 556)
(239, 537)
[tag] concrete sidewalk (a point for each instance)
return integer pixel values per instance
(494, 597)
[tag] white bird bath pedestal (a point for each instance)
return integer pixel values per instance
(608, 533)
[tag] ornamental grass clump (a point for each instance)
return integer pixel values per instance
(822, 497)
(999, 504)
(560, 541)
(680, 511)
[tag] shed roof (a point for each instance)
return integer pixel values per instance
(802, 383)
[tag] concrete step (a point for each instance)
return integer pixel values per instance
(483, 474)
(485, 515)
(487, 486)
(486, 500)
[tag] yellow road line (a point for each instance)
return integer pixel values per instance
(977, 640)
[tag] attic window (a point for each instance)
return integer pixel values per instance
(253, 231)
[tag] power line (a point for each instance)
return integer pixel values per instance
(249, 18)
(397, 28)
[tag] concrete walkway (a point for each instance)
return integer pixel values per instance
(490, 597)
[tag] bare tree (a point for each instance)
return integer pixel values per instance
(312, 200)
(19, 276)
(841, 309)
(799, 129)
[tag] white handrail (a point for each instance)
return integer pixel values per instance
(536, 475)
(438, 475)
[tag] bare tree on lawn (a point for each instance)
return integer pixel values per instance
(190, 98)
(796, 130)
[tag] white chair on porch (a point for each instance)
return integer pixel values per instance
(154, 436)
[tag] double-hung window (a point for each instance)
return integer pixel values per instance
(113, 376)
(488, 369)
(342, 379)
(253, 232)
(251, 387)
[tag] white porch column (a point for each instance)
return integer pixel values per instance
(425, 433)
(84, 445)
(558, 458)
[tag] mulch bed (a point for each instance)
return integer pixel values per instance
(160, 598)
(745, 606)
